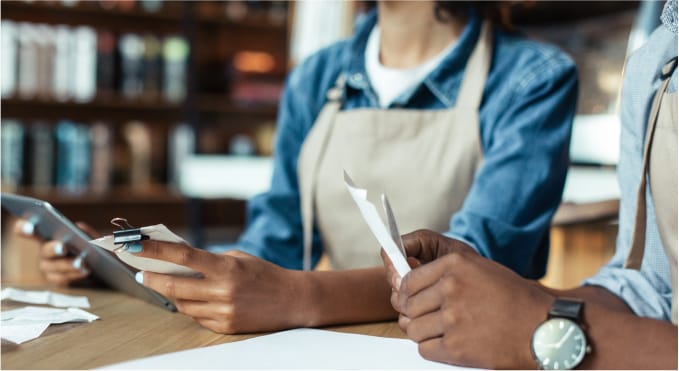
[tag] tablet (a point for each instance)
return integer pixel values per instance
(51, 224)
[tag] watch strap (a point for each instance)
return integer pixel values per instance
(568, 308)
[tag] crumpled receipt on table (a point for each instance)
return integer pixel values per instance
(44, 297)
(158, 232)
(27, 323)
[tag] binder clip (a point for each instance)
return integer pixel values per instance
(126, 234)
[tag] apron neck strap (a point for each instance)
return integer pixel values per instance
(636, 251)
(476, 71)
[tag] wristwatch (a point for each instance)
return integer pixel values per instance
(560, 342)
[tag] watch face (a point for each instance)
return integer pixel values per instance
(559, 343)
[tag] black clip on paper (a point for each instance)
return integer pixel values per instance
(126, 234)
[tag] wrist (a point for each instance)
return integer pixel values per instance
(303, 296)
(542, 303)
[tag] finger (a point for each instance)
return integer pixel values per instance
(179, 253)
(185, 288)
(25, 228)
(88, 230)
(422, 245)
(413, 262)
(220, 327)
(403, 323)
(425, 327)
(425, 301)
(62, 266)
(428, 274)
(432, 349)
(392, 276)
(204, 309)
(52, 249)
(64, 279)
(395, 303)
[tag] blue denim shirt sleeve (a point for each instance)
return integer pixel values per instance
(518, 186)
(648, 291)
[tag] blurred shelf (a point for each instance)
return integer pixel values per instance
(169, 19)
(124, 110)
(571, 213)
(154, 205)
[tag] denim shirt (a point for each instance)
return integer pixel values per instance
(648, 291)
(525, 124)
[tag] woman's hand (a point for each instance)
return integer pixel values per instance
(238, 292)
(467, 310)
(422, 247)
(55, 264)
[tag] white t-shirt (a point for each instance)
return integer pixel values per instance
(390, 83)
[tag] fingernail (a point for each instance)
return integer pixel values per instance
(28, 228)
(397, 282)
(59, 249)
(134, 247)
(139, 277)
(78, 263)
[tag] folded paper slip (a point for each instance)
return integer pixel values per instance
(157, 232)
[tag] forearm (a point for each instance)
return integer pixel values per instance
(592, 294)
(619, 338)
(346, 296)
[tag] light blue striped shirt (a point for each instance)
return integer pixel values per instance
(648, 291)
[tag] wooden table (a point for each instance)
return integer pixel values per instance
(128, 328)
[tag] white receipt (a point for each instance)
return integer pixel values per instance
(376, 225)
(45, 297)
(27, 323)
(158, 232)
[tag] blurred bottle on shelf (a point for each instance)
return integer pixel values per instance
(102, 158)
(182, 144)
(41, 152)
(64, 69)
(73, 157)
(138, 138)
(152, 6)
(85, 62)
(45, 45)
(131, 50)
(8, 58)
(175, 56)
(28, 61)
(12, 150)
(106, 67)
(152, 67)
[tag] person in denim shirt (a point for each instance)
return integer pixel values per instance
(467, 310)
(491, 114)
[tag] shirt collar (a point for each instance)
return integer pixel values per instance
(442, 81)
(669, 15)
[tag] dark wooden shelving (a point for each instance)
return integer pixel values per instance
(123, 110)
(156, 204)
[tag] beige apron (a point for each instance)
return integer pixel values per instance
(660, 163)
(424, 160)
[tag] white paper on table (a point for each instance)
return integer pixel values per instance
(28, 323)
(45, 297)
(300, 349)
(19, 333)
(158, 232)
(377, 226)
(42, 314)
